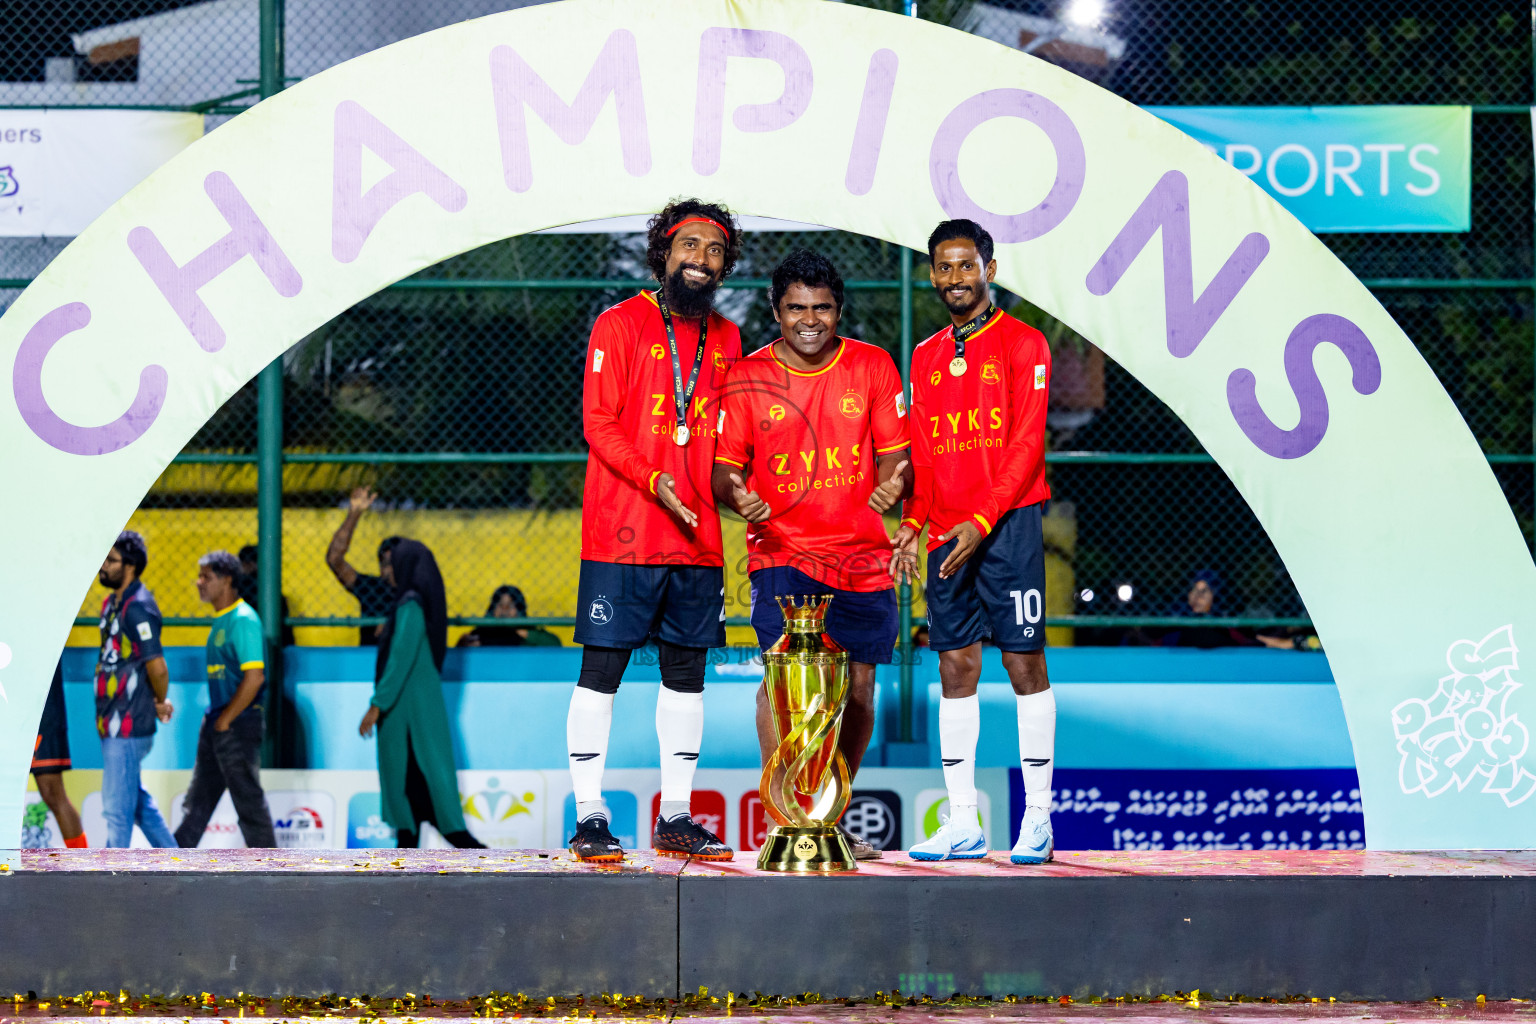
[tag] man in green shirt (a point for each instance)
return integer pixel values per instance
(229, 743)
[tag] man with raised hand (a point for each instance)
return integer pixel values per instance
(979, 389)
(375, 594)
(652, 564)
(813, 447)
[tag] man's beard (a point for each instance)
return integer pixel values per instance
(687, 298)
(107, 581)
(961, 304)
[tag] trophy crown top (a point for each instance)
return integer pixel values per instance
(809, 615)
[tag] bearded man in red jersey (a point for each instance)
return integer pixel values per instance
(652, 566)
(813, 425)
(979, 390)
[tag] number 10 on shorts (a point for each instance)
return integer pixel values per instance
(1026, 606)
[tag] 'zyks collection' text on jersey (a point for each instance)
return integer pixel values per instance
(806, 443)
(629, 412)
(978, 437)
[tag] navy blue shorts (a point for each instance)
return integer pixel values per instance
(998, 594)
(50, 752)
(628, 606)
(865, 624)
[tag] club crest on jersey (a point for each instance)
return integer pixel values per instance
(719, 360)
(776, 412)
(780, 462)
(992, 371)
(601, 612)
(657, 351)
(934, 378)
(852, 405)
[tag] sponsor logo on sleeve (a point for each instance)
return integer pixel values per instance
(145, 632)
(1039, 376)
(597, 360)
(901, 405)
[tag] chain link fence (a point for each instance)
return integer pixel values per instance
(455, 394)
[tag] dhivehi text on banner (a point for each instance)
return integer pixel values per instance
(1347, 168)
(60, 169)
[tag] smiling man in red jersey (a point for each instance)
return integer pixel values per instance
(979, 389)
(810, 424)
(652, 566)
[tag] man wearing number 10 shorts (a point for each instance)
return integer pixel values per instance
(652, 565)
(979, 389)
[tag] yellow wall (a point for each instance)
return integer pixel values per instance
(476, 550)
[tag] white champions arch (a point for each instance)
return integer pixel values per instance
(1292, 376)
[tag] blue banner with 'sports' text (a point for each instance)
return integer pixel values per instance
(1347, 168)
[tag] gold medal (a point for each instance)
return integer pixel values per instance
(957, 366)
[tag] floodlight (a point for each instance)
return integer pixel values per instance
(1086, 13)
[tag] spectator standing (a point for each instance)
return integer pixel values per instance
(417, 780)
(251, 594)
(229, 742)
(375, 594)
(50, 760)
(508, 603)
(132, 683)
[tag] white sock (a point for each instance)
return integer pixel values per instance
(680, 730)
(1037, 746)
(586, 739)
(959, 728)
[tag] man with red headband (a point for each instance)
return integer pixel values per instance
(652, 565)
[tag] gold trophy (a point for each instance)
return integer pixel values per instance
(805, 674)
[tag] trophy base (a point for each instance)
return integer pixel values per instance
(806, 849)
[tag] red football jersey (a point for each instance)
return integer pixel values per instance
(978, 440)
(629, 416)
(806, 442)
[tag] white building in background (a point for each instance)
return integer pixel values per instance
(208, 50)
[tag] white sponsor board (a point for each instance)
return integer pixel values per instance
(60, 169)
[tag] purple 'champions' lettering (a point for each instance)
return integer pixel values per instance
(616, 71)
(248, 236)
(1071, 162)
(869, 131)
(1187, 318)
(354, 214)
(716, 46)
(27, 386)
(1321, 329)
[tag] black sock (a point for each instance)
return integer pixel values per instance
(405, 839)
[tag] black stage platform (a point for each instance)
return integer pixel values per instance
(1344, 924)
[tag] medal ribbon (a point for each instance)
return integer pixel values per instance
(969, 328)
(681, 396)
